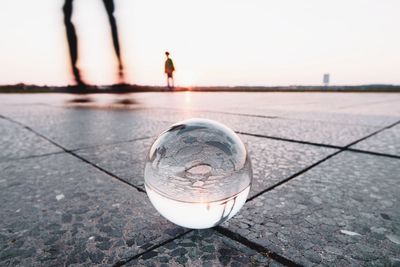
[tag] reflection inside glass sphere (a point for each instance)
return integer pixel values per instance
(198, 173)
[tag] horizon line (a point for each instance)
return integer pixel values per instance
(201, 86)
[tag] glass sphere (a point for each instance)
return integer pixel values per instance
(198, 173)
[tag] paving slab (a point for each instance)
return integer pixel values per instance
(344, 212)
(125, 160)
(75, 128)
(203, 248)
(333, 116)
(57, 210)
(262, 103)
(385, 142)
(321, 132)
(275, 102)
(308, 131)
(18, 142)
(272, 160)
(343, 118)
(91, 126)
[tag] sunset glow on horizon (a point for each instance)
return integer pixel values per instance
(212, 42)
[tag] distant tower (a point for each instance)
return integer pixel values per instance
(326, 79)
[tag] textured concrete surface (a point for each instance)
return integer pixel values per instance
(313, 200)
(203, 248)
(343, 212)
(314, 131)
(386, 142)
(59, 210)
(273, 161)
(75, 128)
(125, 160)
(17, 142)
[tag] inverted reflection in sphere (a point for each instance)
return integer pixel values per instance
(198, 173)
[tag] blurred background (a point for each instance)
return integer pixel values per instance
(213, 43)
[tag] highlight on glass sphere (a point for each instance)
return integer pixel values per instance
(198, 173)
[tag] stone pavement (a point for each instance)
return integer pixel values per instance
(326, 186)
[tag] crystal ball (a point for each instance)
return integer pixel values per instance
(198, 173)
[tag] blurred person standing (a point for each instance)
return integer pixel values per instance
(169, 70)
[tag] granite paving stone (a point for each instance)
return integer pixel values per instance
(125, 160)
(275, 103)
(266, 104)
(57, 210)
(308, 131)
(343, 212)
(75, 128)
(343, 118)
(272, 160)
(18, 142)
(332, 116)
(321, 132)
(203, 248)
(88, 127)
(385, 142)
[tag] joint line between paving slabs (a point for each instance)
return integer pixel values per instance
(220, 229)
(70, 152)
(347, 147)
(105, 171)
(373, 153)
(289, 140)
(112, 143)
(282, 117)
(294, 175)
(34, 156)
(120, 263)
(372, 134)
(260, 249)
(342, 149)
(217, 112)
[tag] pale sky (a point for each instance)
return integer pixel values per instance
(212, 42)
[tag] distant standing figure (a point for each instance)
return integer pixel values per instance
(169, 70)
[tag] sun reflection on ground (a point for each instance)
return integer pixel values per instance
(188, 97)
